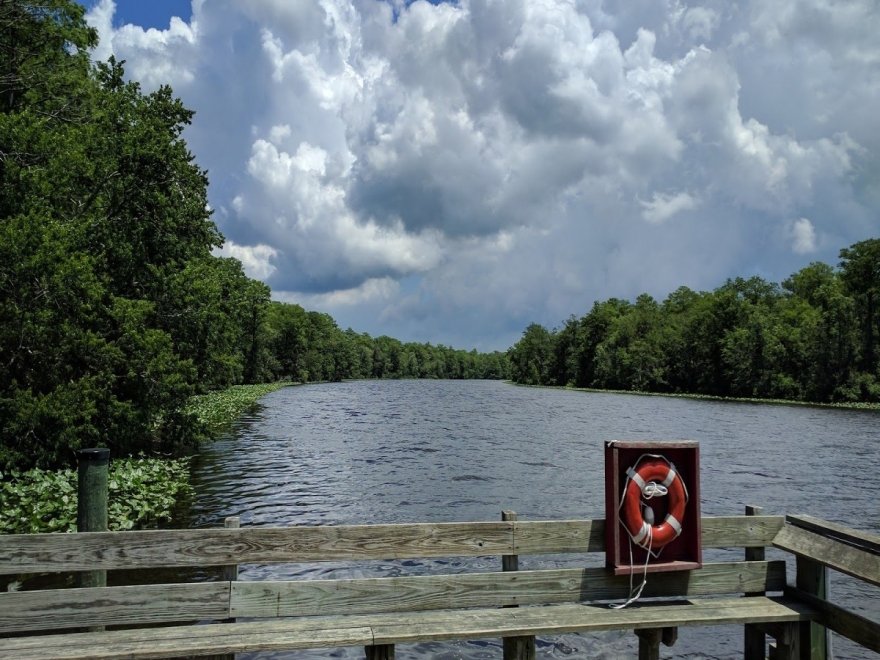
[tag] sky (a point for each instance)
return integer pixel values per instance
(450, 172)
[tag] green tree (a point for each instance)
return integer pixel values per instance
(531, 358)
(860, 271)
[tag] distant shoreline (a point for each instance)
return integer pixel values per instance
(854, 405)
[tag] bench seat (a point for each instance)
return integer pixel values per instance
(400, 628)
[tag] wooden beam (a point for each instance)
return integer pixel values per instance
(394, 628)
(856, 538)
(812, 578)
(47, 553)
(859, 629)
(44, 553)
(72, 608)
(834, 554)
(431, 592)
(58, 609)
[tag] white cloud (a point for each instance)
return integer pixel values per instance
(256, 259)
(663, 206)
(371, 291)
(458, 170)
(803, 236)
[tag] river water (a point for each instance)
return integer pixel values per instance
(432, 451)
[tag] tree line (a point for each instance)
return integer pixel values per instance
(811, 338)
(113, 308)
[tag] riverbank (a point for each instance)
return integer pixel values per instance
(144, 490)
(217, 410)
(852, 405)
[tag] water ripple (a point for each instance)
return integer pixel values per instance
(416, 451)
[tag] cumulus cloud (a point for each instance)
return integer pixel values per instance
(453, 171)
(255, 259)
(663, 206)
(803, 236)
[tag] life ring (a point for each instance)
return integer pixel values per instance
(653, 470)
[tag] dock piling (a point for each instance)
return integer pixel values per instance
(91, 507)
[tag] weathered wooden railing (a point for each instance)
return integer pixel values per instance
(378, 613)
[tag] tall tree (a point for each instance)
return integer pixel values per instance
(860, 270)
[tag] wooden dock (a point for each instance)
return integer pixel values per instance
(229, 616)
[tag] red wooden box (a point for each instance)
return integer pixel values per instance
(681, 554)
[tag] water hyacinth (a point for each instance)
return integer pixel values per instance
(143, 493)
(217, 410)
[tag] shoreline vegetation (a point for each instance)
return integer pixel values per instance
(813, 338)
(145, 491)
(867, 406)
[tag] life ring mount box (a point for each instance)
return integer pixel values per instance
(648, 487)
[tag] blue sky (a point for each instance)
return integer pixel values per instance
(148, 13)
(450, 172)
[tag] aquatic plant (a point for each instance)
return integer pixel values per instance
(143, 492)
(217, 410)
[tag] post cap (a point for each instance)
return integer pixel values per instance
(94, 454)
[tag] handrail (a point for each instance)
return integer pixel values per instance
(858, 539)
(67, 608)
(47, 553)
(829, 551)
(818, 545)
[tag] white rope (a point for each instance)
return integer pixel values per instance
(653, 489)
(634, 596)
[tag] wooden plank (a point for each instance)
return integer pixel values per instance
(432, 592)
(46, 553)
(57, 609)
(849, 624)
(329, 632)
(829, 552)
(740, 531)
(569, 618)
(199, 640)
(38, 553)
(859, 539)
(562, 536)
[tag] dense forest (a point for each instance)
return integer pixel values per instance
(113, 308)
(812, 338)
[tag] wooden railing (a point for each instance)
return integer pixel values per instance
(819, 545)
(381, 612)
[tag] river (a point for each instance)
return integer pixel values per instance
(431, 451)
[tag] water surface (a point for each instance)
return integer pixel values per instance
(432, 451)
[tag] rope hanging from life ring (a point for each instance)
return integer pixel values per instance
(652, 476)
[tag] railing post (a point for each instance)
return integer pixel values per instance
(754, 639)
(522, 647)
(92, 493)
(379, 652)
(228, 573)
(91, 506)
(812, 578)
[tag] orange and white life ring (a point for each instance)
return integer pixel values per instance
(643, 480)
